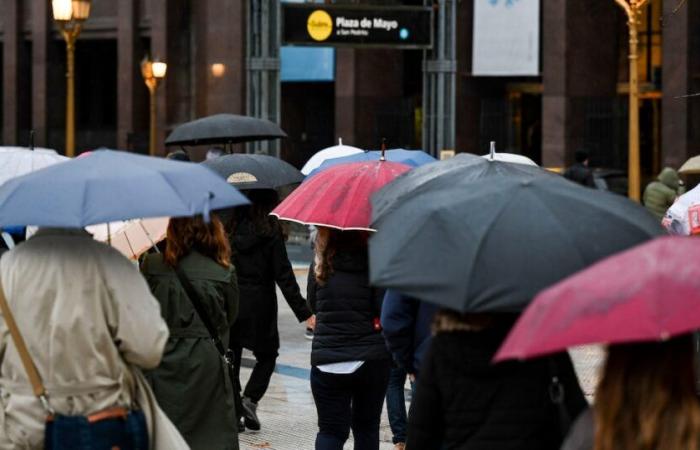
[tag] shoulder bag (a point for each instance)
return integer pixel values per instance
(112, 428)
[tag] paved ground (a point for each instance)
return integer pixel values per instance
(287, 411)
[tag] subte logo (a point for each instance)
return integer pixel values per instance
(319, 25)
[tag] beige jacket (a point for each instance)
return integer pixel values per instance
(89, 321)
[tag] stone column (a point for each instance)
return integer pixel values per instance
(345, 95)
(128, 67)
(10, 71)
(42, 28)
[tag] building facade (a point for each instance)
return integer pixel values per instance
(576, 100)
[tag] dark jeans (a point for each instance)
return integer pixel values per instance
(75, 433)
(396, 404)
(260, 378)
(350, 401)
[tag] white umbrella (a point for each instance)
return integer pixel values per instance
(337, 151)
(508, 157)
(17, 161)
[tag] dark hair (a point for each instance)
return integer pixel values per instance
(192, 233)
(328, 242)
(581, 155)
(178, 155)
(646, 397)
(263, 201)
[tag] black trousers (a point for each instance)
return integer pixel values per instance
(350, 401)
(260, 378)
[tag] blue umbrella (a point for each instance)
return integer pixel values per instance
(413, 158)
(110, 185)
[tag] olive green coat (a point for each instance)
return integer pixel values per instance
(192, 383)
(659, 195)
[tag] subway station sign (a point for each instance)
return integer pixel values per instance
(357, 25)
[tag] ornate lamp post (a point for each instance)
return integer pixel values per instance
(153, 72)
(70, 15)
(633, 9)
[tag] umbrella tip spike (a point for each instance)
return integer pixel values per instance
(492, 150)
(383, 157)
(340, 141)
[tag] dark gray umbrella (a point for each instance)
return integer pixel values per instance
(459, 170)
(491, 244)
(247, 171)
(224, 129)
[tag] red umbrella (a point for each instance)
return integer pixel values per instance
(339, 197)
(648, 293)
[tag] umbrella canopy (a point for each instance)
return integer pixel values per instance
(648, 293)
(132, 238)
(224, 129)
(110, 185)
(413, 158)
(18, 161)
(340, 196)
(492, 244)
(460, 170)
(337, 151)
(690, 167)
(511, 158)
(246, 171)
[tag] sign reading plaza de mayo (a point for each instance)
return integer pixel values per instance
(357, 25)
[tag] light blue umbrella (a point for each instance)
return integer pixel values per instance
(110, 185)
(413, 158)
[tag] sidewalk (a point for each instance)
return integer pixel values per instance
(287, 411)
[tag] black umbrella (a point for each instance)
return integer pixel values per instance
(248, 171)
(224, 129)
(459, 170)
(490, 245)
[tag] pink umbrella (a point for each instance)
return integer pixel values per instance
(339, 196)
(648, 293)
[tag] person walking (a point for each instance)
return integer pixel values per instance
(349, 360)
(463, 400)
(192, 382)
(645, 400)
(261, 261)
(406, 329)
(660, 194)
(579, 172)
(90, 324)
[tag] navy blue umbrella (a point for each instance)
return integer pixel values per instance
(112, 185)
(413, 158)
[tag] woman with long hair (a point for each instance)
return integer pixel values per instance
(645, 400)
(261, 260)
(349, 359)
(464, 401)
(192, 382)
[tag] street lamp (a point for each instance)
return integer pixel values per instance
(70, 15)
(633, 9)
(153, 72)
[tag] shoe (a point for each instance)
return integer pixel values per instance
(249, 415)
(399, 446)
(309, 334)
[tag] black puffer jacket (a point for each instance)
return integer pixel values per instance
(465, 402)
(347, 310)
(261, 261)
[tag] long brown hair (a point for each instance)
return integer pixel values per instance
(646, 398)
(192, 233)
(328, 242)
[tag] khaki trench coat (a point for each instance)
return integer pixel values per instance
(90, 322)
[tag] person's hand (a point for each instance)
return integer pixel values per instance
(412, 377)
(311, 322)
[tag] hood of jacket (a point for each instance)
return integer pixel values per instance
(669, 177)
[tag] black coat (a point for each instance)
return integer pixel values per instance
(261, 261)
(465, 402)
(578, 173)
(347, 313)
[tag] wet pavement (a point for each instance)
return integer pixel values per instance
(287, 411)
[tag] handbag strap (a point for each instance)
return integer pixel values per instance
(201, 312)
(27, 362)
